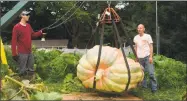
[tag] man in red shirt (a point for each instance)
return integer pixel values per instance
(21, 44)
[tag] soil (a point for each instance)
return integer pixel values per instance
(97, 96)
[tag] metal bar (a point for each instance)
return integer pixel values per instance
(158, 40)
(157, 34)
(102, 18)
(117, 16)
(125, 58)
(13, 13)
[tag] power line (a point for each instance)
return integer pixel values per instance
(63, 15)
(67, 18)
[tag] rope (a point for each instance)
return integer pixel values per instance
(62, 16)
(67, 18)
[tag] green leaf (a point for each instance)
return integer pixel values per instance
(38, 96)
(53, 96)
(3, 70)
(47, 96)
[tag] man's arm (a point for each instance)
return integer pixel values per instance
(14, 42)
(151, 49)
(35, 34)
(150, 41)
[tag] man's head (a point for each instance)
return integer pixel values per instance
(25, 15)
(141, 29)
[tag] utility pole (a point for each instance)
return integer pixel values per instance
(158, 39)
(157, 33)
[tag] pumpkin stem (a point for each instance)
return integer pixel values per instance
(99, 74)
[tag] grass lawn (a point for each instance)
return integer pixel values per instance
(174, 94)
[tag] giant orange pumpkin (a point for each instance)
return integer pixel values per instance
(112, 74)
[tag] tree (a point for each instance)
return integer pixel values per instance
(79, 28)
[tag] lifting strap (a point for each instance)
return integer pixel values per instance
(124, 56)
(123, 52)
(99, 54)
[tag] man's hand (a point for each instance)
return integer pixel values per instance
(44, 30)
(150, 60)
(15, 58)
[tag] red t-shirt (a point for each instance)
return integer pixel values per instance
(21, 37)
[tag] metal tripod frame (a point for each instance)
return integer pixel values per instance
(114, 21)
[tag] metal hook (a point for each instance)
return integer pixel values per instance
(108, 2)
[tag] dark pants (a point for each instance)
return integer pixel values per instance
(148, 67)
(26, 63)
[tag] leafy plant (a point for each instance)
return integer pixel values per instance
(46, 96)
(72, 84)
(172, 94)
(13, 89)
(54, 65)
(3, 70)
(42, 60)
(57, 69)
(62, 65)
(169, 72)
(13, 65)
(132, 56)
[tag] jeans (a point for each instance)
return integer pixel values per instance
(148, 67)
(26, 63)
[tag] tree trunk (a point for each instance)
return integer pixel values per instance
(75, 31)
